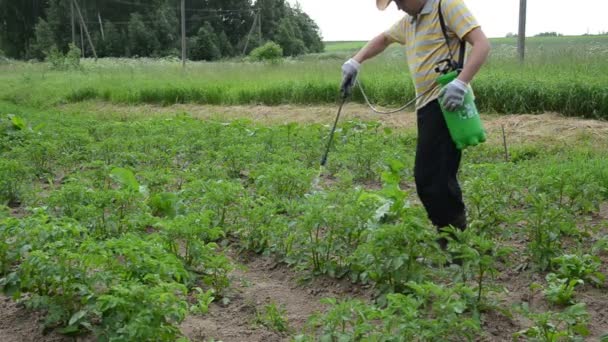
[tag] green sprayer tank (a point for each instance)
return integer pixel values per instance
(464, 124)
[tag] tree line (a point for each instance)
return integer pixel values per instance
(151, 28)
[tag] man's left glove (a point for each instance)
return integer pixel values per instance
(350, 69)
(452, 95)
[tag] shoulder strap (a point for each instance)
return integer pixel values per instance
(444, 29)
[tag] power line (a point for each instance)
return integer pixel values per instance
(221, 10)
(210, 10)
(150, 21)
(131, 3)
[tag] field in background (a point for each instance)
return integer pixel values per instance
(564, 74)
(343, 46)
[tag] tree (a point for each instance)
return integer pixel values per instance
(165, 27)
(205, 45)
(44, 42)
(152, 27)
(58, 16)
(18, 21)
(272, 11)
(289, 37)
(549, 34)
(309, 31)
(142, 41)
(113, 45)
(224, 44)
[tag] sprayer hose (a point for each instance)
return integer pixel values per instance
(377, 111)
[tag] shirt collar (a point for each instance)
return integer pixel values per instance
(427, 9)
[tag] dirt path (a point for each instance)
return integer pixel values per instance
(261, 282)
(518, 127)
(20, 325)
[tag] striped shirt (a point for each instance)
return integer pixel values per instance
(425, 43)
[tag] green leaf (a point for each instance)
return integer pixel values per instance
(18, 122)
(77, 316)
(382, 211)
(125, 177)
(581, 329)
(164, 204)
(70, 329)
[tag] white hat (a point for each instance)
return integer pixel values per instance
(382, 4)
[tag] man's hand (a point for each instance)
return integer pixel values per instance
(350, 69)
(452, 95)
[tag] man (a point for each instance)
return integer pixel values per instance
(437, 158)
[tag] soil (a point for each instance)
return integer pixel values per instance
(258, 282)
(18, 324)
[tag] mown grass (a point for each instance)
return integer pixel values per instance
(567, 75)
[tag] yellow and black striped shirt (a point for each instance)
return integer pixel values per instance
(425, 43)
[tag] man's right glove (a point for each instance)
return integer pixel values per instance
(350, 69)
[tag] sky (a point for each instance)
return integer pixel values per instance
(360, 20)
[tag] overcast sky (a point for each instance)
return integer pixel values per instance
(360, 20)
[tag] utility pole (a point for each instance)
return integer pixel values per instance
(260, 25)
(184, 34)
(81, 40)
(253, 27)
(86, 30)
(103, 36)
(73, 23)
(521, 38)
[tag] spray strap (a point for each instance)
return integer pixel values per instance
(460, 63)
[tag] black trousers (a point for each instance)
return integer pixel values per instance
(436, 169)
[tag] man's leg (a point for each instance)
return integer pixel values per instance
(436, 169)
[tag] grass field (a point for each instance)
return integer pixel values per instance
(343, 46)
(565, 75)
(138, 204)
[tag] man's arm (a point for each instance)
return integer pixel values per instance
(373, 48)
(478, 56)
(350, 69)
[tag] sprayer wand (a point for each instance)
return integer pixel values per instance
(333, 130)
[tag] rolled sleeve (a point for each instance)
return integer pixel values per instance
(396, 34)
(458, 17)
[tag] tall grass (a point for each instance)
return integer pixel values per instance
(565, 74)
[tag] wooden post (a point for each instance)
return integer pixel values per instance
(184, 34)
(86, 30)
(260, 25)
(504, 141)
(253, 27)
(103, 36)
(73, 23)
(521, 38)
(81, 39)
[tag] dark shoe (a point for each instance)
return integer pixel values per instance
(460, 223)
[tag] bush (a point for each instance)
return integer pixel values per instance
(12, 182)
(59, 61)
(270, 52)
(3, 58)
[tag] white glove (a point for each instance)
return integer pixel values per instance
(350, 69)
(452, 95)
